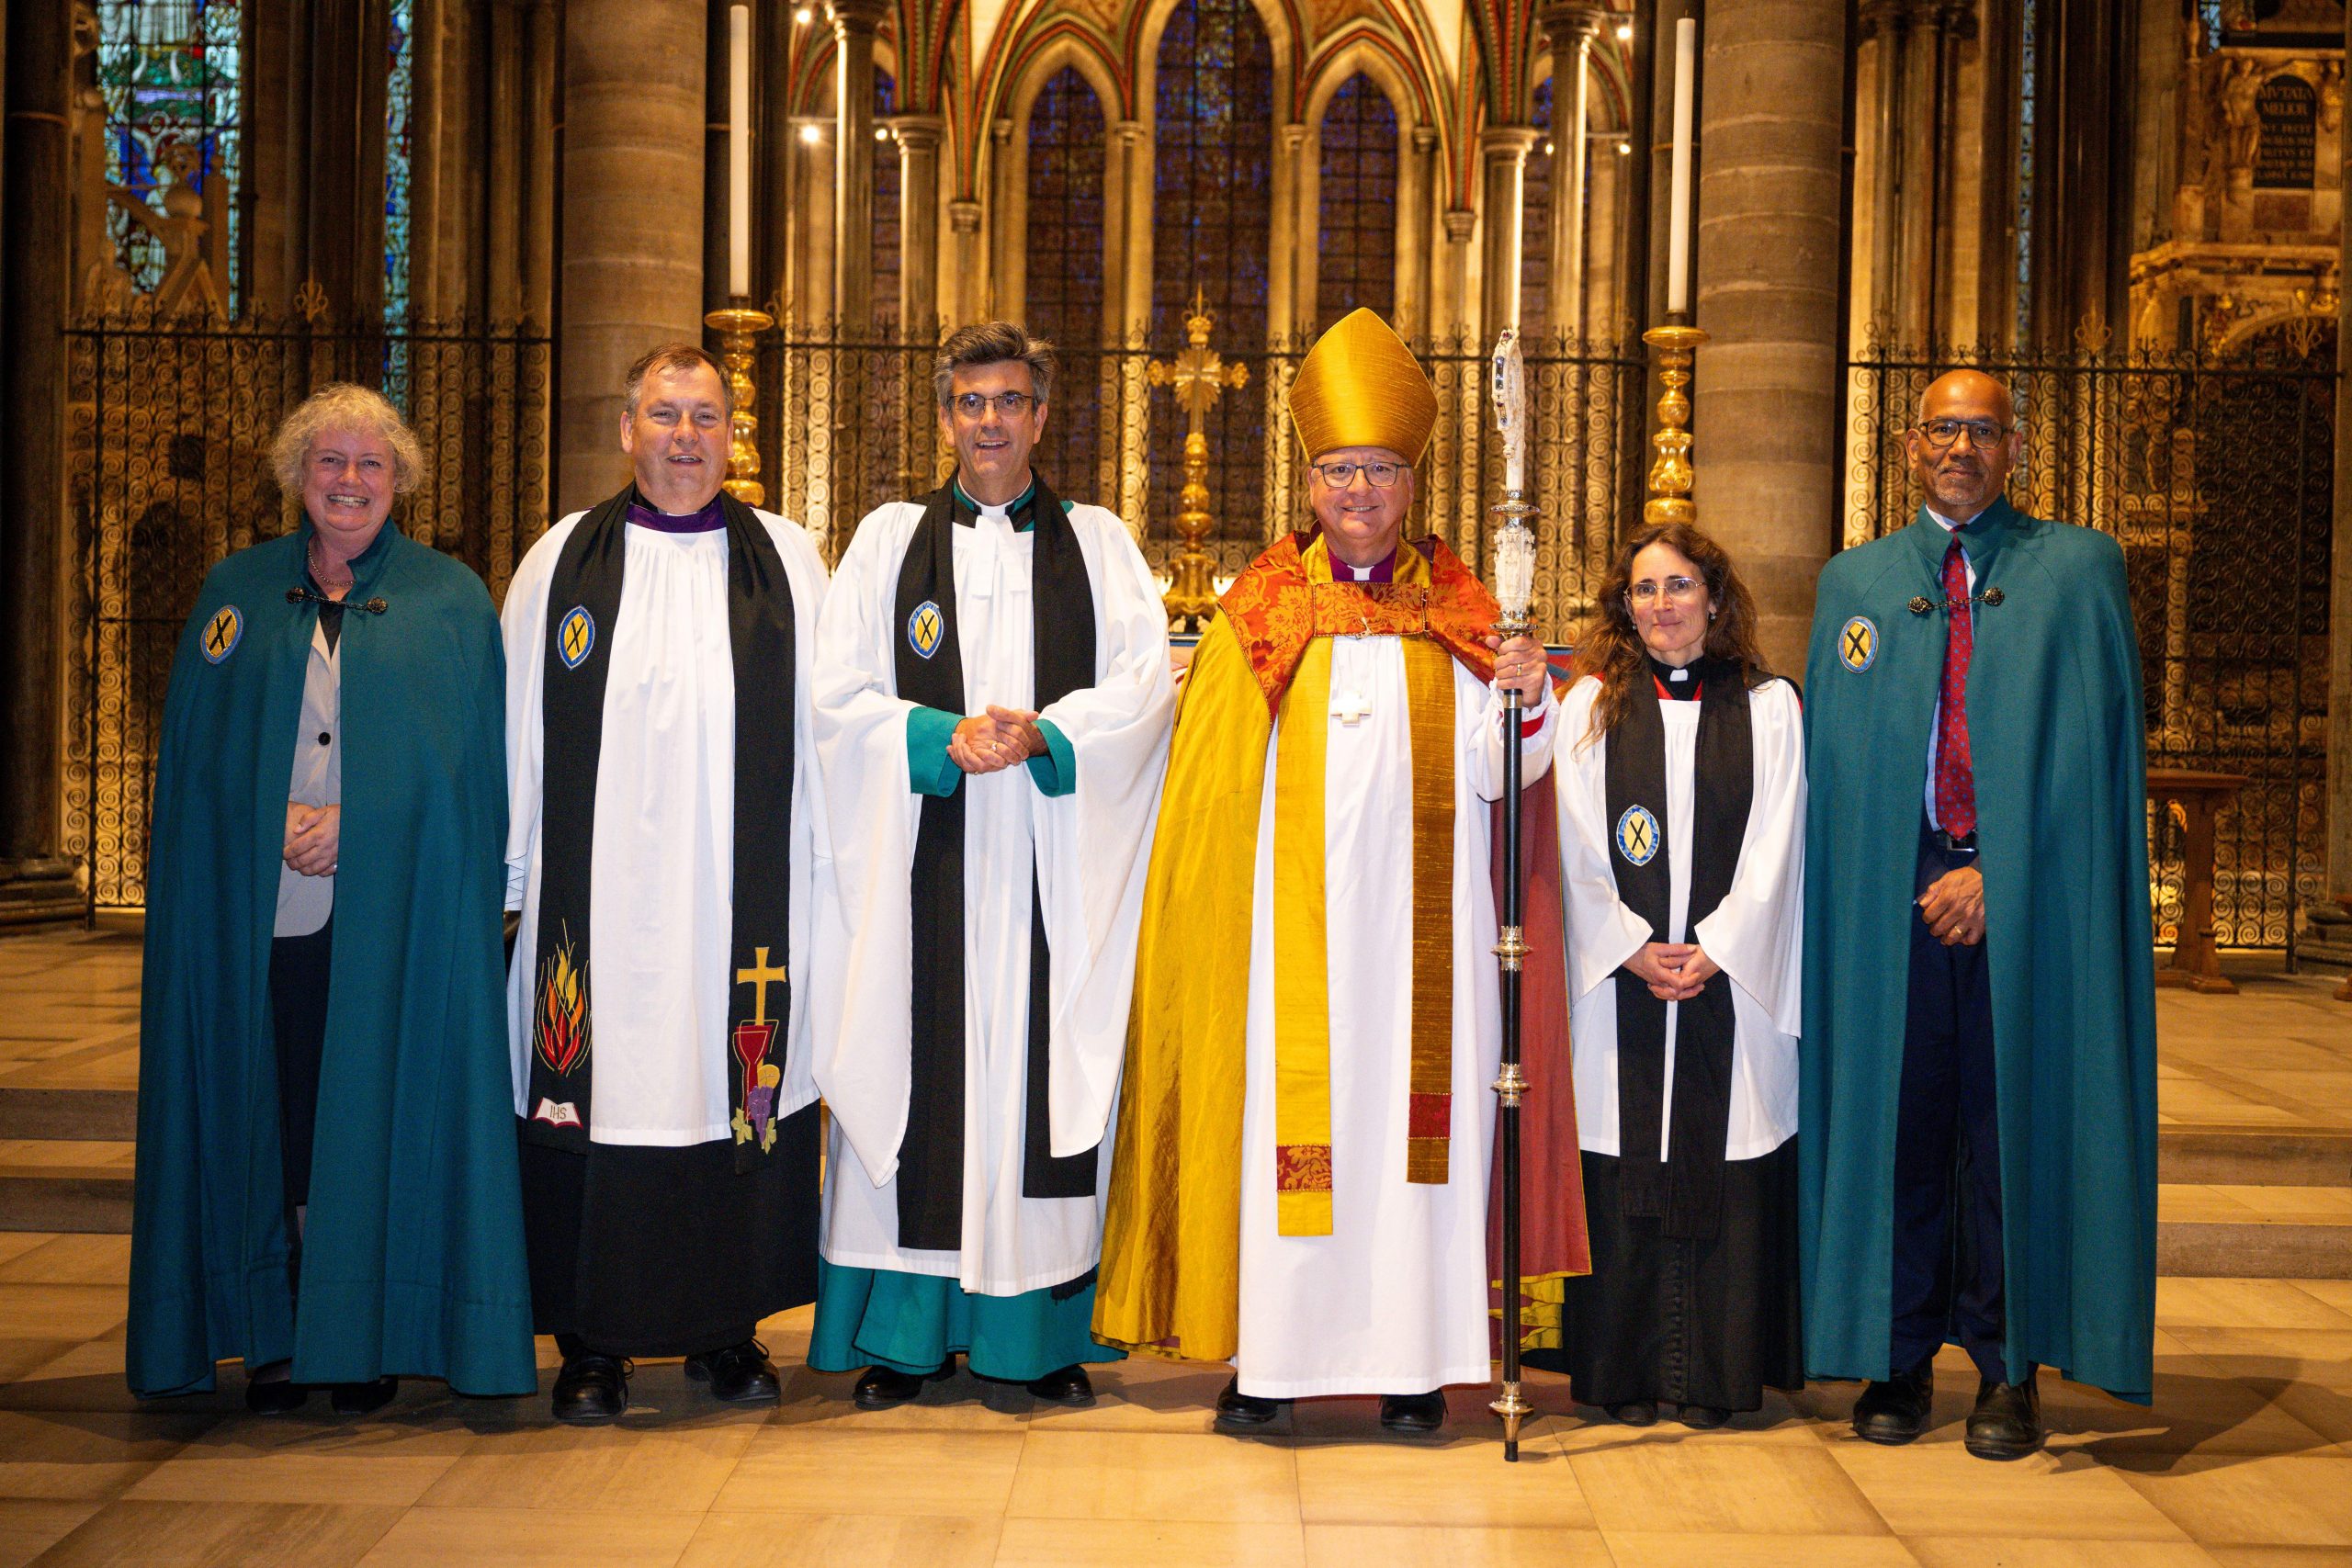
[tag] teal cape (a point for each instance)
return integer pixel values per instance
(2056, 732)
(413, 1262)
(911, 1323)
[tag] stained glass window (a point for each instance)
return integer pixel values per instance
(168, 74)
(885, 208)
(1213, 127)
(398, 96)
(1065, 255)
(1356, 215)
(1549, 154)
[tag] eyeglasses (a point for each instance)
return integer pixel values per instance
(1681, 590)
(1981, 434)
(974, 405)
(1340, 476)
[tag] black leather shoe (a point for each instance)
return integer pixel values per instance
(1068, 1386)
(740, 1374)
(363, 1398)
(2006, 1422)
(276, 1397)
(1702, 1417)
(591, 1390)
(1895, 1411)
(1418, 1413)
(1636, 1413)
(1240, 1411)
(879, 1388)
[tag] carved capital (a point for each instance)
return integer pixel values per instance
(1571, 25)
(857, 17)
(1425, 140)
(1508, 144)
(919, 132)
(1460, 224)
(1130, 132)
(964, 216)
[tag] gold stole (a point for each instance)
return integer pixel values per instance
(1303, 1163)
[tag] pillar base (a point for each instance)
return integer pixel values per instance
(41, 892)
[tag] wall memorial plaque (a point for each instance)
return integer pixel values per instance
(2288, 111)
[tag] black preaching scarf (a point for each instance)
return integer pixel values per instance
(1687, 1191)
(584, 609)
(1061, 600)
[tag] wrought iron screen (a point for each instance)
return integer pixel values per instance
(847, 425)
(2215, 475)
(170, 424)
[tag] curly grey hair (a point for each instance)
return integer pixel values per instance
(342, 405)
(993, 343)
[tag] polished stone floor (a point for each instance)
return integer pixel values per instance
(2245, 1460)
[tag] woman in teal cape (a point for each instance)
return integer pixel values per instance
(2056, 728)
(411, 1258)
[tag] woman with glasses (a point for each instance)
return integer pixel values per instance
(1682, 797)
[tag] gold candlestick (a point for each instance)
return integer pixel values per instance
(1670, 501)
(738, 324)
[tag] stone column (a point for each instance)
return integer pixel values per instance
(960, 302)
(855, 22)
(1606, 311)
(1413, 225)
(1767, 390)
(1007, 220)
(811, 283)
(1502, 150)
(2339, 617)
(1451, 309)
(632, 216)
(919, 137)
(36, 880)
(1572, 30)
(1282, 263)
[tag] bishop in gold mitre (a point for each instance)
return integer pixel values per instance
(1306, 1128)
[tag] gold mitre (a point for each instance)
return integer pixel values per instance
(1359, 385)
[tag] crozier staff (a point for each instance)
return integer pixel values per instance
(326, 1180)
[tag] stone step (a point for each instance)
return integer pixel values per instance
(2277, 1232)
(65, 1185)
(69, 1113)
(2255, 1157)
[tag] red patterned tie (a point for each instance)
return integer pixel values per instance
(1955, 773)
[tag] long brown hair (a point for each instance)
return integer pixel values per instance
(1610, 648)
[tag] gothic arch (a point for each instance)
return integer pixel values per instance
(1009, 163)
(1373, 58)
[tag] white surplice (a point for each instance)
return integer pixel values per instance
(1085, 853)
(663, 869)
(1395, 1300)
(1756, 934)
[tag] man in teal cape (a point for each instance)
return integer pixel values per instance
(1979, 1147)
(412, 1256)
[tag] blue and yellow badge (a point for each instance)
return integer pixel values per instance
(575, 634)
(1638, 835)
(1858, 644)
(925, 628)
(222, 633)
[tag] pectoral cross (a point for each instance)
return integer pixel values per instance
(760, 975)
(1350, 708)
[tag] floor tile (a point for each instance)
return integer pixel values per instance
(2032, 1551)
(867, 1540)
(71, 1455)
(796, 1470)
(1453, 1546)
(308, 1457)
(29, 1527)
(222, 1534)
(1159, 1543)
(1934, 1488)
(534, 1538)
(629, 1464)
(61, 1312)
(1772, 1488)
(1649, 1549)
(2244, 1304)
(2286, 1500)
(1153, 1475)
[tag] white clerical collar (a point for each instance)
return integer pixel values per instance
(1947, 526)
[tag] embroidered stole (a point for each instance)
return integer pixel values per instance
(583, 612)
(1303, 1149)
(1061, 602)
(1685, 1188)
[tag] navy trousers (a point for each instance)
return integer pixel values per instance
(1948, 1149)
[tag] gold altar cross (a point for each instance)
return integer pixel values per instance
(760, 975)
(1199, 376)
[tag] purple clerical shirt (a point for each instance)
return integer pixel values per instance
(701, 522)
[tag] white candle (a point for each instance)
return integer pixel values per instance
(1678, 220)
(739, 151)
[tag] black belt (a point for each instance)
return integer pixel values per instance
(1953, 843)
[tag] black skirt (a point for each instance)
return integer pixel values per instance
(1712, 1323)
(642, 1251)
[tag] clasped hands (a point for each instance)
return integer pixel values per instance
(313, 838)
(1674, 970)
(989, 742)
(1519, 665)
(1953, 907)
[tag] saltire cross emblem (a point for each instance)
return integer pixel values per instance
(575, 636)
(1638, 835)
(223, 633)
(1858, 644)
(925, 628)
(761, 1080)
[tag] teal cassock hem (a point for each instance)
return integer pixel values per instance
(912, 1323)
